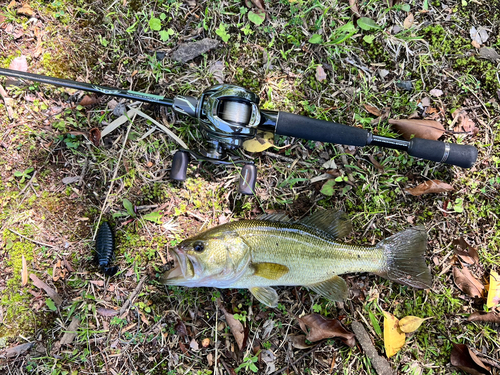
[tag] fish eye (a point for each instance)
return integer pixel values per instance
(198, 247)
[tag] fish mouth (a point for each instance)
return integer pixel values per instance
(182, 269)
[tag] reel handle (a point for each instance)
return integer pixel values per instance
(179, 166)
(248, 177)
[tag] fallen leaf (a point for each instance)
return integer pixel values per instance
(375, 163)
(299, 342)
(26, 10)
(16, 351)
(394, 338)
(259, 4)
(88, 101)
(489, 54)
(494, 291)
(210, 359)
(320, 73)
(194, 345)
(373, 110)
(70, 333)
(353, 4)
(426, 102)
(259, 143)
(426, 129)
(24, 272)
(180, 328)
(107, 312)
(12, 4)
(95, 136)
(408, 22)
(321, 328)
(490, 317)
(479, 35)
(217, 70)
(70, 180)
(464, 123)
(410, 323)
(463, 358)
(429, 187)
(98, 283)
(19, 63)
(475, 44)
(467, 283)
(50, 292)
(465, 251)
(436, 92)
(205, 342)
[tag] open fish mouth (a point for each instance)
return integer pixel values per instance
(181, 270)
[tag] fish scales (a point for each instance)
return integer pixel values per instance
(311, 255)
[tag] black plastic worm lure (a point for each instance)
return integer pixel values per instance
(105, 247)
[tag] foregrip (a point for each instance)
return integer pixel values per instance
(298, 126)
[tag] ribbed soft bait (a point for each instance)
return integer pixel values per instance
(105, 247)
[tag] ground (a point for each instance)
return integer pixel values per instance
(51, 221)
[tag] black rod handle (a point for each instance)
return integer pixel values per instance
(304, 127)
(450, 153)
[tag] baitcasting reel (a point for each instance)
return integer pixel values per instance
(228, 115)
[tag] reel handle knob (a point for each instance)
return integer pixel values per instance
(248, 177)
(179, 166)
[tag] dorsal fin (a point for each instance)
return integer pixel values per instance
(274, 217)
(335, 223)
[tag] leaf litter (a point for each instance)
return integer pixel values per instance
(463, 358)
(430, 187)
(426, 129)
(467, 283)
(318, 328)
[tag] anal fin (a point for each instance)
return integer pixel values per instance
(265, 295)
(334, 289)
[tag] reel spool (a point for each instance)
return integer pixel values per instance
(228, 115)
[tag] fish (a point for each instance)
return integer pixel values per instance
(273, 250)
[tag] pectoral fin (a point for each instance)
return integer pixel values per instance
(334, 289)
(271, 271)
(265, 295)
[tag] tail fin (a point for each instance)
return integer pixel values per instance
(404, 258)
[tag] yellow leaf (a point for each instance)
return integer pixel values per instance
(494, 291)
(24, 272)
(260, 143)
(394, 338)
(410, 323)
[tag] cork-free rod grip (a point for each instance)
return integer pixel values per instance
(451, 153)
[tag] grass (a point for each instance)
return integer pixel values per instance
(112, 44)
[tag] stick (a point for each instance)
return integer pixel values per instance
(130, 299)
(31, 240)
(294, 362)
(7, 101)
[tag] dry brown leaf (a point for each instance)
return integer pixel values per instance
(107, 312)
(490, 317)
(299, 342)
(428, 187)
(467, 283)
(16, 351)
(88, 101)
(375, 163)
(475, 44)
(464, 123)
(205, 342)
(353, 4)
(320, 73)
(321, 328)
(24, 272)
(426, 129)
(236, 327)
(259, 4)
(408, 22)
(394, 338)
(12, 4)
(465, 251)
(436, 92)
(19, 63)
(494, 291)
(410, 323)
(373, 110)
(51, 292)
(95, 136)
(180, 328)
(70, 333)
(26, 10)
(463, 358)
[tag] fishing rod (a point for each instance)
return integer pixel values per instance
(228, 115)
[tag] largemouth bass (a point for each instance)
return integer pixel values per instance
(274, 251)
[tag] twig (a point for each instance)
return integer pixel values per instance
(130, 299)
(115, 173)
(297, 360)
(7, 101)
(30, 239)
(286, 159)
